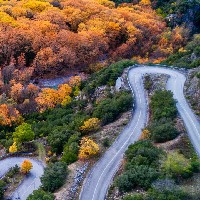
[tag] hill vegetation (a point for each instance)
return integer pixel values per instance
(150, 172)
(41, 36)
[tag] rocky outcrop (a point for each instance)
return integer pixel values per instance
(192, 90)
(153, 82)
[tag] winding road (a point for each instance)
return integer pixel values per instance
(100, 176)
(31, 181)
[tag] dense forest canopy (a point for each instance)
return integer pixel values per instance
(41, 36)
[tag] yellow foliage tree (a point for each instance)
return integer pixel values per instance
(66, 100)
(145, 134)
(63, 91)
(48, 98)
(26, 166)
(13, 148)
(145, 2)
(91, 124)
(36, 6)
(88, 148)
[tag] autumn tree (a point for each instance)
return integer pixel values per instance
(36, 6)
(8, 115)
(92, 124)
(26, 166)
(31, 91)
(49, 98)
(75, 81)
(145, 2)
(45, 60)
(63, 91)
(88, 148)
(16, 92)
(70, 34)
(145, 134)
(23, 133)
(23, 75)
(13, 148)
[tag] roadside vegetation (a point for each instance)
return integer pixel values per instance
(151, 172)
(187, 57)
(163, 113)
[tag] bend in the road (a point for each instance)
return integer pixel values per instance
(100, 176)
(31, 181)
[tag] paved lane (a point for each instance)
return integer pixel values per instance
(32, 180)
(99, 178)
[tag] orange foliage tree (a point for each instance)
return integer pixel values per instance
(49, 98)
(75, 81)
(32, 91)
(8, 115)
(77, 33)
(26, 166)
(16, 92)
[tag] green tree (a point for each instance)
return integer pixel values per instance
(177, 165)
(71, 148)
(143, 153)
(57, 139)
(40, 195)
(163, 132)
(109, 109)
(23, 133)
(54, 176)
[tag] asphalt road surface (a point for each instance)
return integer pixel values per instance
(100, 176)
(31, 181)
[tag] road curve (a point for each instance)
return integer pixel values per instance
(31, 181)
(100, 176)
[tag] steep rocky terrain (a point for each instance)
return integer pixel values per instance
(192, 89)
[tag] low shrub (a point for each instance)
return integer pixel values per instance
(137, 176)
(177, 166)
(175, 194)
